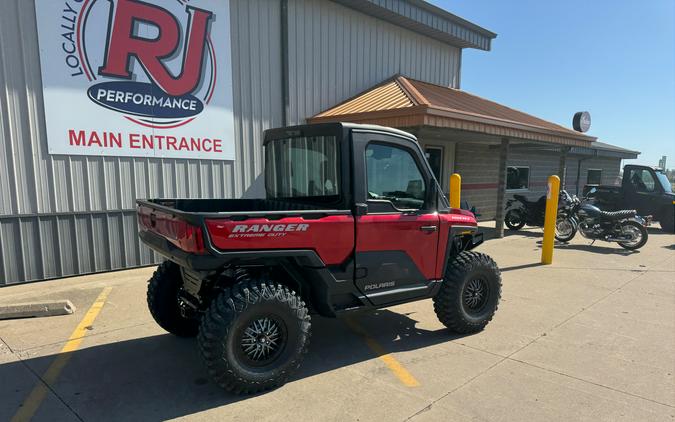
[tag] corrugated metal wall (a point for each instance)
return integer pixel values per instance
(62, 215)
(336, 52)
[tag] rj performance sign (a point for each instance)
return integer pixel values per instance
(145, 78)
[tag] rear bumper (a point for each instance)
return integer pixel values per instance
(179, 256)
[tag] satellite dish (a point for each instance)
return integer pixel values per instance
(581, 121)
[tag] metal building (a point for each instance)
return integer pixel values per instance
(63, 215)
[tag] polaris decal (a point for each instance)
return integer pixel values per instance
(137, 77)
(377, 286)
(266, 230)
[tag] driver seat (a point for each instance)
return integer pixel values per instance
(618, 215)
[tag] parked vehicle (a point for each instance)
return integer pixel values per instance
(353, 220)
(624, 227)
(645, 189)
(521, 211)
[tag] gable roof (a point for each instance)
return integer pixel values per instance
(406, 102)
(425, 18)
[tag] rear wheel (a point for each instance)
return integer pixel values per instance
(470, 293)
(254, 336)
(163, 301)
(637, 231)
(514, 220)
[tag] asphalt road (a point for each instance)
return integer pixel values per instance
(590, 337)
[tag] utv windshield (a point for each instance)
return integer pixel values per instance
(303, 167)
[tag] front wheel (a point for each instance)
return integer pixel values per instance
(470, 293)
(637, 231)
(254, 336)
(514, 220)
(565, 229)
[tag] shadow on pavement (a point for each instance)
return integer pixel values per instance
(162, 377)
(605, 250)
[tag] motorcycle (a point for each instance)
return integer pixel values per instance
(623, 227)
(521, 212)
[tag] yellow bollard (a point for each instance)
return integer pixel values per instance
(455, 190)
(549, 219)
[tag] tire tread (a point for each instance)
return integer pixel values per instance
(447, 301)
(216, 326)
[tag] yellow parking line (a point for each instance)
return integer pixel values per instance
(394, 365)
(32, 403)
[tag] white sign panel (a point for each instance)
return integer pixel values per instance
(143, 78)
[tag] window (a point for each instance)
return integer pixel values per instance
(517, 178)
(393, 175)
(642, 180)
(302, 167)
(594, 177)
(435, 159)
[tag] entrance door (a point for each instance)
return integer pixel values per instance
(397, 239)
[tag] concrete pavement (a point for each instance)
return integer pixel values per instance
(589, 338)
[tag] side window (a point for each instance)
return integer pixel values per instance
(517, 178)
(642, 180)
(393, 175)
(594, 176)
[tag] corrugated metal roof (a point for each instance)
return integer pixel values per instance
(387, 96)
(427, 19)
(441, 106)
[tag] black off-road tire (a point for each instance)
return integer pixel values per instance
(450, 303)
(514, 220)
(643, 241)
(163, 301)
(225, 324)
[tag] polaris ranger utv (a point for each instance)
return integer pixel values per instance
(353, 220)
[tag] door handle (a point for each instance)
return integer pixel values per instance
(428, 228)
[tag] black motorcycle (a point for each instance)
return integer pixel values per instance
(623, 227)
(521, 212)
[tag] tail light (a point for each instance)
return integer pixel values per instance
(176, 230)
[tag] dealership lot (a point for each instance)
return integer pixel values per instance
(589, 338)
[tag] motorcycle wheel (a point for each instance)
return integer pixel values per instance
(565, 229)
(514, 220)
(640, 233)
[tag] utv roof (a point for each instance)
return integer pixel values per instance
(323, 128)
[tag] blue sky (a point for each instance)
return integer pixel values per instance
(615, 59)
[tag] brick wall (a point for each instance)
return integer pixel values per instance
(478, 164)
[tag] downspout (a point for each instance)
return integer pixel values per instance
(285, 109)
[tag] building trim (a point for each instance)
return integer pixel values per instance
(426, 19)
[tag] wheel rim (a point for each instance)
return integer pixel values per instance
(634, 232)
(262, 340)
(564, 228)
(475, 295)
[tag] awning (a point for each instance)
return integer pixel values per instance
(402, 102)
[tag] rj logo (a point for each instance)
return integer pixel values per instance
(124, 42)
